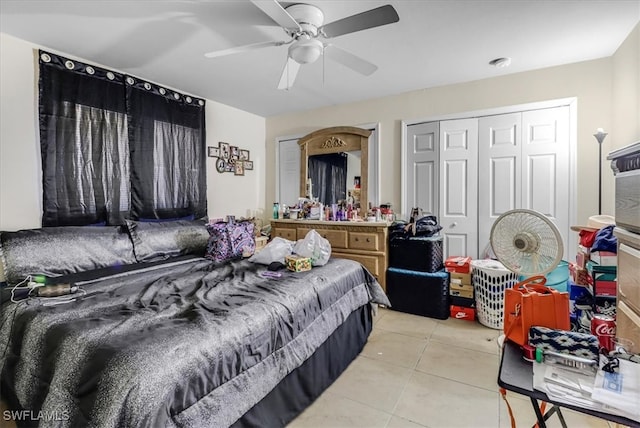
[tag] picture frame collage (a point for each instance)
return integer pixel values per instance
(230, 158)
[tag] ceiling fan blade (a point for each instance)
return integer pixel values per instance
(244, 48)
(382, 15)
(288, 74)
(277, 13)
(350, 60)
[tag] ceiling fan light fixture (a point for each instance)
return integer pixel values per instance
(305, 51)
(308, 16)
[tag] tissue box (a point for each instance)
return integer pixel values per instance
(297, 263)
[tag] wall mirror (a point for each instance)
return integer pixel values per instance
(334, 165)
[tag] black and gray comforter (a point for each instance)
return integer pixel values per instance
(188, 343)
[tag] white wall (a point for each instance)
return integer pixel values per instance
(626, 92)
(20, 168)
(591, 82)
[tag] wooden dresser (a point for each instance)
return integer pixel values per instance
(628, 304)
(363, 242)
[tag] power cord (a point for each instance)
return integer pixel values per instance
(13, 290)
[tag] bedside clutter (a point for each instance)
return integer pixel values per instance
(593, 286)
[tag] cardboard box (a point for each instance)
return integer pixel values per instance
(458, 264)
(462, 301)
(579, 275)
(297, 263)
(460, 278)
(605, 288)
(463, 313)
(461, 290)
(261, 242)
(604, 258)
(582, 257)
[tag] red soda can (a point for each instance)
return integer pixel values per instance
(604, 328)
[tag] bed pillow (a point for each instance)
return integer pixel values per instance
(55, 251)
(229, 241)
(163, 240)
(164, 220)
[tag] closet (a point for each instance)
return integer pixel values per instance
(470, 170)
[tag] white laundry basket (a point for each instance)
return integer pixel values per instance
(490, 279)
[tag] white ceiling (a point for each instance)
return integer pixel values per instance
(436, 42)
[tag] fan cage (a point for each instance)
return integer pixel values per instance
(526, 242)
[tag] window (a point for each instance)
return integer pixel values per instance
(114, 147)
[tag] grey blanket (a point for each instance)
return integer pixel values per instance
(185, 344)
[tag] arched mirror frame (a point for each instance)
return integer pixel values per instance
(334, 140)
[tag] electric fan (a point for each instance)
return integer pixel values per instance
(526, 242)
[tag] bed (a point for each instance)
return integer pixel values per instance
(160, 336)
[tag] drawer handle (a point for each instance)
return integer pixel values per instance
(357, 239)
(368, 240)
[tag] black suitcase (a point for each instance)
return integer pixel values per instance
(422, 254)
(419, 293)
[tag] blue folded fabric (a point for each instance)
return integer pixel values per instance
(605, 240)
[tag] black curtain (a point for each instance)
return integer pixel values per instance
(84, 143)
(168, 170)
(114, 147)
(328, 175)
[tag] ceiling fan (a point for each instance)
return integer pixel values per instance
(304, 24)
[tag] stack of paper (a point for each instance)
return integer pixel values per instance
(617, 393)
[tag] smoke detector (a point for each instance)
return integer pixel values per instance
(500, 62)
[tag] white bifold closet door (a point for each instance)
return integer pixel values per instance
(459, 186)
(499, 157)
(422, 168)
(524, 163)
(470, 171)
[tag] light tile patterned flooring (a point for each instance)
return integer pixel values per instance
(421, 372)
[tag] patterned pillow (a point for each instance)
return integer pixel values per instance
(228, 241)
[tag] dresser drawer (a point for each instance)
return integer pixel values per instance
(364, 241)
(372, 263)
(289, 234)
(628, 326)
(337, 238)
(629, 274)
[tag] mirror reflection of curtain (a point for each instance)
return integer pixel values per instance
(328, 174)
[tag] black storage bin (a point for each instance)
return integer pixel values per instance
(419, 293)
(417, 253)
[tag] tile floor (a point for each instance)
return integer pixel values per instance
(421, 372)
